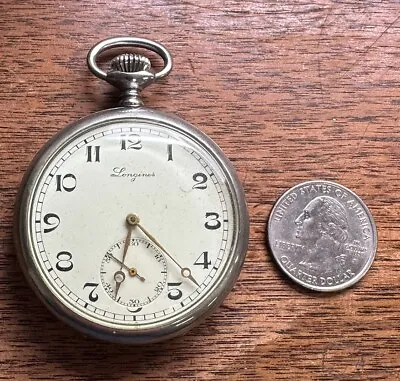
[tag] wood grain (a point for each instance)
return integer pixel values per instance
(291, 91)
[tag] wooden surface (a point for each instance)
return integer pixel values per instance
(291, 91)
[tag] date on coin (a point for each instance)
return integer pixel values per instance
(322, 235)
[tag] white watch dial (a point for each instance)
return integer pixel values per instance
(78, 228)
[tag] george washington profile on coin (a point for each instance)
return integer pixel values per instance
(323, 230)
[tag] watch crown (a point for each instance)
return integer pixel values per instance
(130, 63)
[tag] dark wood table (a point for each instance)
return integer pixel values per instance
(291, 91)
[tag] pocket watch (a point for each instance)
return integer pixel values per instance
(131, 224)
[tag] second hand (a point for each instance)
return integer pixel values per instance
(132, 271)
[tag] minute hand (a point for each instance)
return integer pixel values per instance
(185, 271)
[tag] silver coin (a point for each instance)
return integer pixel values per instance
(322, 235)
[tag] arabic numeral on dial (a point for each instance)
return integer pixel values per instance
(65, 183)
(213, 222)
(108, 288)
(64, 261)
(131, 141)
(174, 293)
(92, 296)
(133, 302)
(202, 260)
(52, 220)
(200, 179)
(158, 257)
(159, 287)
(93, 154)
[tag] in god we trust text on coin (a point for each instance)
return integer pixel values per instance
(322, 235)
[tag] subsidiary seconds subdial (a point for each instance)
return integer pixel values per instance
(136, 278)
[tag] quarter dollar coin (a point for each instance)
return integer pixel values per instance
(322, 235)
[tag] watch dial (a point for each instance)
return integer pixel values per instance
(156, 269)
